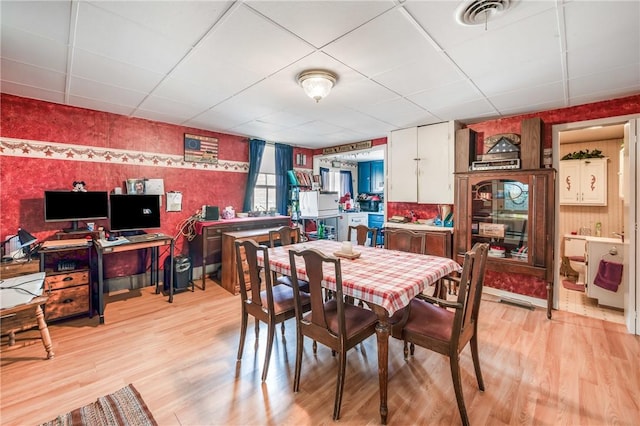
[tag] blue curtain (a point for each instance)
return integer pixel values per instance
(284, 163)
(256, 148)
(346, 184)
(324, 178)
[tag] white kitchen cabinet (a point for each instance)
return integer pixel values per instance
(421, 164)
(583, 182)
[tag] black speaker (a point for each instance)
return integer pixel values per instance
(182, 272)
(210, 212)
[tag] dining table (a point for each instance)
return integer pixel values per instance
(386, 280)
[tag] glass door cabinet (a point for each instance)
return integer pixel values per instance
(513, 211)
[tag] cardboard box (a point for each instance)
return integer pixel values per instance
(492, 229)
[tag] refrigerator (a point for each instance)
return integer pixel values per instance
(318, 204)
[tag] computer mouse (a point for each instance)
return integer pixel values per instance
(112, 238)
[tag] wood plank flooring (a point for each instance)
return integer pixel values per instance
(570, 370)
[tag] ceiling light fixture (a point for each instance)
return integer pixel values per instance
(317, 83)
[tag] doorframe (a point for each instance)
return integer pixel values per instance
(632, 234)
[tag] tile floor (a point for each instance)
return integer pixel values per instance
(577, 302)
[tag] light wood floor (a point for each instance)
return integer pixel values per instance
(570, 370)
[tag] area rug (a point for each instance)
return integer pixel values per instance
(123, 407)
(570, 285)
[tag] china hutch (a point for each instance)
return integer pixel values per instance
(513, 211)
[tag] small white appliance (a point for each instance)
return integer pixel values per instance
(318, 204)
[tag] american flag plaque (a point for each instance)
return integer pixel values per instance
(200, 149)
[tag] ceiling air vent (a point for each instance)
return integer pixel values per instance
(479, 12)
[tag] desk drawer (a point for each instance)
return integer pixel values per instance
(67, 302)
(60, 281)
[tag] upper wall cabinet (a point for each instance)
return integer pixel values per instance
(371, 177)
(583, 182)
(421, 164)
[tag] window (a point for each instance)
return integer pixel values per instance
(264, 193)
(333, 183)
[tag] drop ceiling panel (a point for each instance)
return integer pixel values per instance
(446, 95)
(32, 76)
(320, 22)
(32, 92)
(602, 56)
(465, 110)
(383, 44)
(98, 68)
(507, 101)
(399, 112)
(112, 36)
(32, 49)
(185, 21)
(46, 19)
(624, 77)
(84, 88)
(100, 105)
(589, 22)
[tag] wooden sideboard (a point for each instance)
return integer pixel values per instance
(438, 240)
(230, 280)
(207, 249)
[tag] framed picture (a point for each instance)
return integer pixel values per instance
(200, 149)
(135, 186)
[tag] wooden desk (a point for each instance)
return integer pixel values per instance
(21, 310)
(138, 242)
(230, 280)
(206, 247)
(18, 267)
(386, 280)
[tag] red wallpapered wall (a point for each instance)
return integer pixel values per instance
(24, 179)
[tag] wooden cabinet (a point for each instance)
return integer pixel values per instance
(514, 212)
(371, 177)
(583, 182)
(437, 242)
(67, 282)
(421, 164)
(206, 248)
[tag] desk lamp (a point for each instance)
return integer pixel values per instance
(25, 240)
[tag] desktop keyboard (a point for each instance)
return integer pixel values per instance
(142, 238)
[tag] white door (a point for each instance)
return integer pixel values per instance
(401, 161)
(631, 210)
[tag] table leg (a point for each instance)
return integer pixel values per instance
(155, 266)
(171, 273)
(44, 332)
(382, 335)
(100, 307)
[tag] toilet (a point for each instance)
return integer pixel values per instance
(574, 250)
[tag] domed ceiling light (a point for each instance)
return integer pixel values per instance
(317, 83)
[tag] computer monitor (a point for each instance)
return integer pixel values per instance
(134, 212)
(71, 206)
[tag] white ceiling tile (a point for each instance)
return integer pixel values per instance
(110, 94)
(166, 106)
(46, 19)
(186, 21)
(32, 76)
(446, 95)
(90, 66)
(607, 81)
(100, 105)
(32, 92)
(32, 49)
(399, 112)
(601, 56)
(112, 36)
(466, 110)
(320, 22)
(535, 95)
(383, 44)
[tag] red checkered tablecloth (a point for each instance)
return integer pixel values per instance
(387, 278)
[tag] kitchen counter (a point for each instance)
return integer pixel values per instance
(418, 227)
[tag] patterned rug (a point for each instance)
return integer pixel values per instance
(123, 407)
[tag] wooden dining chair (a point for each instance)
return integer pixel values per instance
(362, 233)
(271, 305)
(404, 240)
(334, 323)
(284, 236)
(430, 323)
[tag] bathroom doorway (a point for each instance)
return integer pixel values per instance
(576, 140)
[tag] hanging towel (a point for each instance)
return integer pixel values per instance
(609, 275)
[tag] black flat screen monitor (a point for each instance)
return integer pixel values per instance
(134, 212)
(70, 206)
